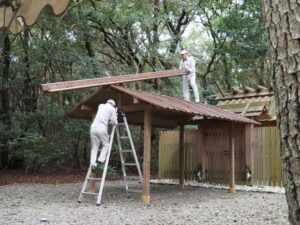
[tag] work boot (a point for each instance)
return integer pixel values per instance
(100, 162)
(94, 168)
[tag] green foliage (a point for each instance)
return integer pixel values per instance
(107, 38)
(111, 171)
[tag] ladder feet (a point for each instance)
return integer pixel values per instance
(79, 201)
(97, 204)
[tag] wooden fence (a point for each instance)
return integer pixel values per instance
(266, 154)
(267, 168)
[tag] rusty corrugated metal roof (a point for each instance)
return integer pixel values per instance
(165, 104)
(175, 104)
(78, 84)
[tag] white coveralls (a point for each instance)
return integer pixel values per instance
(106, 114)
(189, 78)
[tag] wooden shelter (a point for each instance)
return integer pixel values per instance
(151, 110)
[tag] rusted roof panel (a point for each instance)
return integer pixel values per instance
(165, 103)
(78, 84)
(175, 104)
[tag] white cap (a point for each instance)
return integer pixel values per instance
(111, 102)
(183, 52)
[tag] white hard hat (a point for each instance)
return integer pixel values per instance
(111, 102)
(183, 52)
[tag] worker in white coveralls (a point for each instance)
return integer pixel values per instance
(106, 114)
(188, 62)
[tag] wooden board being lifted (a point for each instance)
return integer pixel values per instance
(78, 84)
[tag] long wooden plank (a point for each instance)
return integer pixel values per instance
(78, 84)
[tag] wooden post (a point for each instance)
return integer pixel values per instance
(249, 152)
(231, 159)
(181, 157)
(147, 157)
(92, 183)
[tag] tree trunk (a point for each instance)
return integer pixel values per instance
(30, 87)
(283, 24)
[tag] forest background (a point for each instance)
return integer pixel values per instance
(108, 38)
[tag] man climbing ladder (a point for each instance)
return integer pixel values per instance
(106, 114)
(123, 133)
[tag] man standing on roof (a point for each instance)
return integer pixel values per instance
(188, 62)
(106, 114)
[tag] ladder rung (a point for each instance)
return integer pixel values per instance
(94, 178)
(129, 164)
(121, 124)
(132, 177)
(126, 150)
(124, 137)
(89, 193)
(134, 190)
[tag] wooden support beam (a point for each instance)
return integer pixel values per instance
(78, 84)
(231, 159)
(136, 107)
(181, 157)
(147, 157)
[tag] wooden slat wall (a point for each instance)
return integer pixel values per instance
(168, 154)
(267, 164)
(266, 154)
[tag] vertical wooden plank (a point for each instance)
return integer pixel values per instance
(278, 157)
(267, 148)
(264, 161)
(270, 157)
(273, 156)
(181, 157)
(175, 152)
(259, 155)
(258, 158)
(147, 157)
(231, 159)
(160, 154)
(256, 147)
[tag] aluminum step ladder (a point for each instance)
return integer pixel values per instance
(116, 129)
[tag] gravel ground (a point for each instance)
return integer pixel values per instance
(57, 204)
